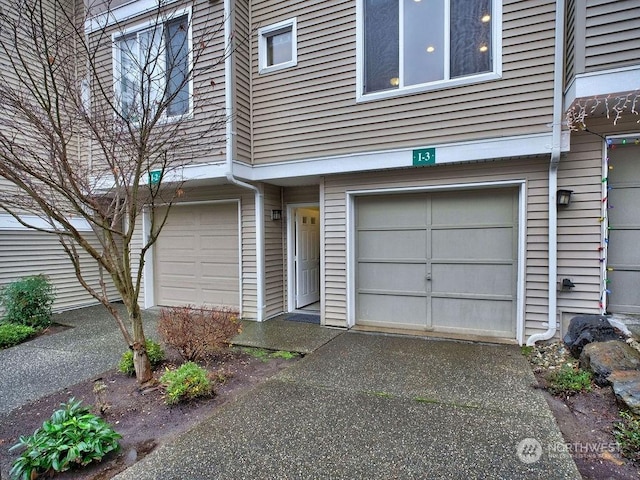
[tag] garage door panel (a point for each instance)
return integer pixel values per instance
(393, 245)
(476, 279)
(626, 206)
(623, 248)
(475, 316)
(473, 243)
(626, 286)
(391, 211)
(393, 310)
(486, 207)
(391, 277)
(196, 256)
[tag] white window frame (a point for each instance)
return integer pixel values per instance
(264, 33)
(495, 74)
(116, 61)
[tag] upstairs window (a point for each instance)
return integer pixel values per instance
(152, 66)
(414, 45)
(277, 46)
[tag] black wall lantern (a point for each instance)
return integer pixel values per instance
(563, 198)
(276, 214)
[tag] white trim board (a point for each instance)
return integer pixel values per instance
(122, 13)
(604, 82)
(508, 147)
(9, 223)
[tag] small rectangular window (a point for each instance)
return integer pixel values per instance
(277, 48)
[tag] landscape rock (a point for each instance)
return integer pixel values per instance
(626, 386)
(586, 329)
(603, 358)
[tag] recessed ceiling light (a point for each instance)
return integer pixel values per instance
(431, 49)
(395, 81)
(485, 18)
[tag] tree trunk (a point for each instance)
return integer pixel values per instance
(140, 358)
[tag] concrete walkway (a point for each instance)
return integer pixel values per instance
(48, 363)
(357, 406)
(374, 406)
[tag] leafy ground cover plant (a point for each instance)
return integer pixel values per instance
(28, 301)
(266, 355)
(73, 436)
(187, 382)
(627, 434)
(568, 380)
(154, 351)
(12, 334)
(197, 333)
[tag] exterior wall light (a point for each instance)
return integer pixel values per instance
(276, 214)
(564, 197)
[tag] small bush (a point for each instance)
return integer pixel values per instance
(73, 436)
(12, 334)
(569, 381)
(197, 333)
(154, 351)
(28, 301)
(187, 382)
(627, 434)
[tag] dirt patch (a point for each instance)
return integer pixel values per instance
(139, 415)
(586, 421)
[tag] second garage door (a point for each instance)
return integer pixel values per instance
(196, 256)
(438, 261)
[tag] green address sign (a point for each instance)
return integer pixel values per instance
(424, 156)
(154, 177)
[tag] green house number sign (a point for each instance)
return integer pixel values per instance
(424, 156)
(154, 177)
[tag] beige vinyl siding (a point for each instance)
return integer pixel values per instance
(533, 171)
(310, 110)
(242, 84)
(274, 245)
(27, 252)
(612, 34)
(570, 40)
(201, 136)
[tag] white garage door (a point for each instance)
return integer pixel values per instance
(441, 261)
(623, 254)
(196, 256)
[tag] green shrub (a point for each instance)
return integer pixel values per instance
(198, 333)
(28, 301)
(569, 380)
(627, 434)
(12, 334)
(187, 382)
(154, 351)
(73, 436)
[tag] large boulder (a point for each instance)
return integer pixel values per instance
(626, 386)
(585, 329)
(603, 358)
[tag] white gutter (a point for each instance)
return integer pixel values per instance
(556, 133)
(259, 197)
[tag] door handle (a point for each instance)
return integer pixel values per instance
(428, 277)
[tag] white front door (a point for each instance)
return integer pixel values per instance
(307, 256)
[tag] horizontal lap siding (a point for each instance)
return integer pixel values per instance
(310, 110)
(534, 171)
(274, 252)
(242, 85)
(25, 252)
(612, 34)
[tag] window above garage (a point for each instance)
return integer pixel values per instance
(277, 46)
(409, 46)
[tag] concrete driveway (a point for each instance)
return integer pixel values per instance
(376, 406)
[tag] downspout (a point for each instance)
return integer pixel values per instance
(259, 197)
(556, 133)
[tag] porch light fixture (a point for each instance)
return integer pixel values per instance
(276, 214)
(564, 198)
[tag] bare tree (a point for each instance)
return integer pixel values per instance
(92, 137)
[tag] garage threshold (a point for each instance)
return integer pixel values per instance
(435, 335)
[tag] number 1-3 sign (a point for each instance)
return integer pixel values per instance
(155, 176)
(424, 156)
